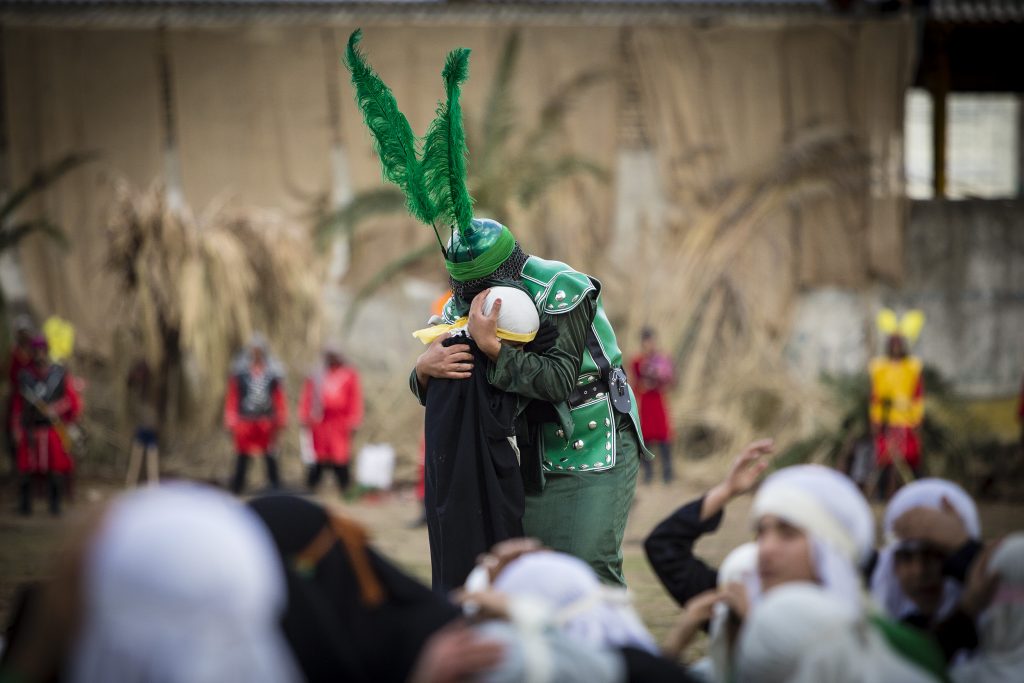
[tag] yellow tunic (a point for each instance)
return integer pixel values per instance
(896, 384)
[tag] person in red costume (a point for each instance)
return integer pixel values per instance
(652, 375)
(255, 410)
(21, 358)
(331, 407)
(44, 404)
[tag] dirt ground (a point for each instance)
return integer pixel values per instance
(27, 545)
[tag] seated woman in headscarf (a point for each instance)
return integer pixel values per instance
(669, 547)
(933, 535)
(804, 633)
(351, 614)
(1000, 656)
(814, 525)
(178, 584)
(715, 608)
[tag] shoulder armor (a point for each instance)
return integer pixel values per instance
(448, 312)
(565, 292)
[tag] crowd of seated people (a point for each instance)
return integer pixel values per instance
(185, 583)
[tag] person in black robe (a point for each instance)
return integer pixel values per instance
(352, 615)
(474, 491)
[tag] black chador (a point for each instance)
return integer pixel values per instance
(474, 491)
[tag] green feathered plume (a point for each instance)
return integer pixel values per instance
(394, 140)
(444, 150)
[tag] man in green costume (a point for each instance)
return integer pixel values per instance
(580, 435)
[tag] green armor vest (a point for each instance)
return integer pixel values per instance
(589, 445)
(586, 440)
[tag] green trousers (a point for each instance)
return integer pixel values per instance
(584, 514)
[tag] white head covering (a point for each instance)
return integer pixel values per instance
(575, 600)
(1000, 656)
(182, 585)
(518, 319)
(541, 656)
(928, 493)
(832, 511)
(803, 633)
(739, 566)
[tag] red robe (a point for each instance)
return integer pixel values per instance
(651, 376)
(40, 449)
(332, 407)
(254, 436)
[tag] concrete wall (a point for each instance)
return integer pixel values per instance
(964, 266)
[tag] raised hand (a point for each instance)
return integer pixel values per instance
(980, 586)
(748, 466)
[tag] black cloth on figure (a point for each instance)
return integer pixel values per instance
(334, 634)
(669, 550)
(474, 490)
(643, 667)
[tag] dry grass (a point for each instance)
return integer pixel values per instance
(195, 287)
(713, 283)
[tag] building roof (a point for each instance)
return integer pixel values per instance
(969, 11)
(551, 11)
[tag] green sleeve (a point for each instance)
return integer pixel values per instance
(913, 645)
(550, 376)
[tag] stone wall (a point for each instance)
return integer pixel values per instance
(964, 266)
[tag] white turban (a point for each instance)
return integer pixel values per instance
(928, 493)
(575, 600)
(832, 512)
(182, 585)
(802, 633)
(1000, 656)
(518, 320)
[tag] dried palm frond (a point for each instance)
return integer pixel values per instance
(193, 289)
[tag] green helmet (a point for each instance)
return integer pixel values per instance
(479, 251)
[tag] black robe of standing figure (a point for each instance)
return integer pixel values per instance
(474, 491)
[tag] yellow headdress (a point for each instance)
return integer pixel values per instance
(908, 326)
(60, 337)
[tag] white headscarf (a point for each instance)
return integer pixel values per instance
(182, 585)
(802, 633)
(575, 600)
(928, 493)
(739, 566)
(1000, 657)
(832, 511)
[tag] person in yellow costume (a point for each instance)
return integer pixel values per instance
(897, 401)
